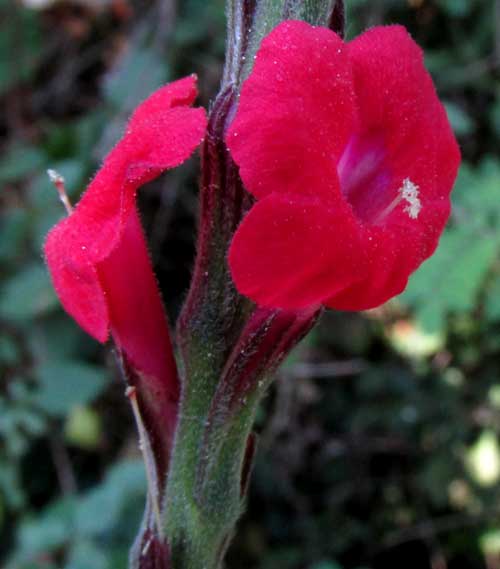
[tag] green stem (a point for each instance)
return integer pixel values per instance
(204, 498)
(226, 357)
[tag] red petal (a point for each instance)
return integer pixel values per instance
(181, 93)
(294, 253)
(398, 102)
(390, 259)
(295, 113)
(158, 137)
(138, 323)
(293, 124)
(76, 283)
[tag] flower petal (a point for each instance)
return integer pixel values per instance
(158, 137)
(76, 282)
(138, 323)
(295, 113)
(180, 93)
(294, 253)
(398, 103)
(296, 118)
(389, 261)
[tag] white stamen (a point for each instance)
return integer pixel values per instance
(409, 192)
(60, 185)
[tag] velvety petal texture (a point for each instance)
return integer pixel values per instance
(294, 243)
(351, 156)
(97, 256)
(300, 73)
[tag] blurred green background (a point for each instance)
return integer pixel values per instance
(379, 443)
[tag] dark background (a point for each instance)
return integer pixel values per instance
(379, 442)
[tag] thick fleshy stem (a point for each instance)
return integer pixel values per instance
(269, 13)
(266, 340)
(228, 348)
(212, 302)
(239, 26)
(208, 327)
(214, 445)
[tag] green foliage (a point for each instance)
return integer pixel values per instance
(27, 294)
(88, 527)
(63, 385)
(51, 373)
(456, 8)
(20, 160)
(122, 491)
(25, 33)
(139, 73)
(461, 122)
(327, 565)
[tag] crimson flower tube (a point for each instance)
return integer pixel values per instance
(97, 256)
(352, 160)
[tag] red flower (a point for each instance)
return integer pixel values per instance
(97, 256)
(351, 158)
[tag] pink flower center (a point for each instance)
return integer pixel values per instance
(365, 176)
(365, 181)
